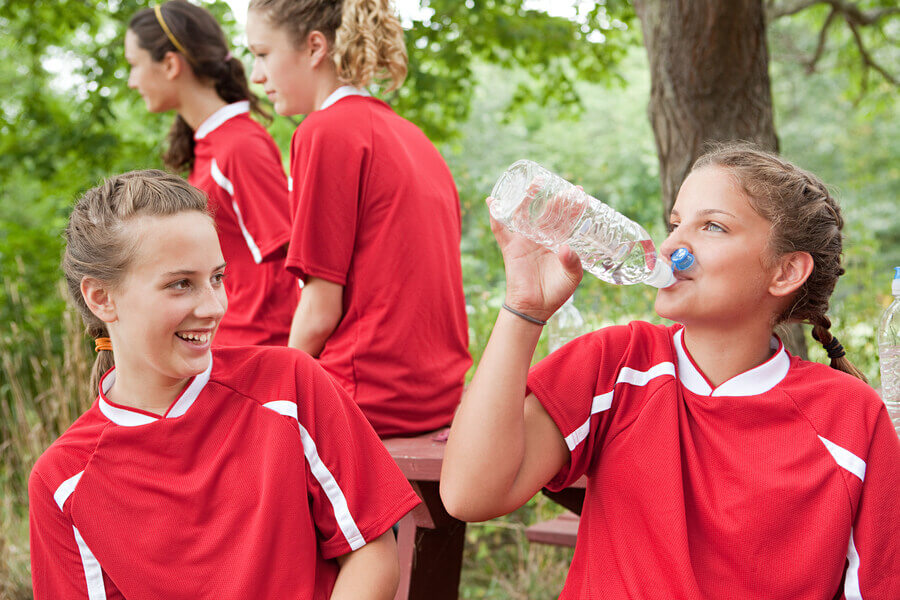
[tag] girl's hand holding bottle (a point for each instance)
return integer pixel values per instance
(538, 281)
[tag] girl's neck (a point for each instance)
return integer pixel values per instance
(154, 395)
(198, 102)
(722, 355)
(328, 82)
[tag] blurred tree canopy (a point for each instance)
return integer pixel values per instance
(67, 118)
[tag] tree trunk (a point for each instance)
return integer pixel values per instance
(709, 74)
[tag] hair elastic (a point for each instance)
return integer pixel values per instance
(834, 348)
(228, 56)
(102, 343)
(162, 23)
(528, 318)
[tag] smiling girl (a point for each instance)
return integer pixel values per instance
(226, 473)
(717, 464)
(180, 62)
(376, 227)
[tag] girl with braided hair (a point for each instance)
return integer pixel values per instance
(718, 465)
(376, 228)
(180, 62)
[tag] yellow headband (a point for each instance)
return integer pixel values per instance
(102, 343)
(162, 23)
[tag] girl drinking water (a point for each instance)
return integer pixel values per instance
(180, 61)
(718, 465)
(224, 473)
(376, 227)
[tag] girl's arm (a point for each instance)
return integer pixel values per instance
(317, 316)
(370, 573)
(503, 447)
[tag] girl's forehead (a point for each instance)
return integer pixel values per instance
(162, 242)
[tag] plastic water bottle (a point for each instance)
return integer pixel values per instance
(530, 200)
(889, 353)
(565, 325)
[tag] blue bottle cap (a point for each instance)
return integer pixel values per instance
(896, 272)
(682, 260)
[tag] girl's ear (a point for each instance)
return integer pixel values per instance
(317, 47)
(791, 272)
(98, 299)
(173, 63)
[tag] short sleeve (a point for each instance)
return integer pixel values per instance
(575, 386)
(874, 550)
(259, 196)
(357, 491)
(327, 171)
(59, 568)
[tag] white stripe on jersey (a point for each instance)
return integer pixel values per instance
(851, 579)
(603, 402)
(846, 459)
(226, 185)
(324, 477)
(93, 574)
(65, 489)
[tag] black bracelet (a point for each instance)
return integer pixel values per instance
(528, 318)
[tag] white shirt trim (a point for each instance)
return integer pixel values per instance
(216, 119)
(851, 578)
(65, 489)
(131, 418)
(846, 459)
(757, 380)
(603, 402)
(93, 574)
(320, 471)
(342, 92)
(226, 185)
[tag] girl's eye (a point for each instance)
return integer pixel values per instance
(672, 227)
(218, 278)
(714, 227)
(181, 284)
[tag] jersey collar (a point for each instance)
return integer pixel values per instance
(342, 92)
(757, 380)
(220, 116)
(132, 417)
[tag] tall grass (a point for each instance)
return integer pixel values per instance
(43, 389)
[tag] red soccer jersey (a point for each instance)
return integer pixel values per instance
(777, 484)
(258, 476)
(239, 167)
(376, 211)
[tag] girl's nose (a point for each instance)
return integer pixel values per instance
(256, 73)
(213, 304)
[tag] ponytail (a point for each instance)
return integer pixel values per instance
(195, 34)
(366, 37)
(822, 333)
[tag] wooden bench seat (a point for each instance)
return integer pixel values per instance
(561, 531)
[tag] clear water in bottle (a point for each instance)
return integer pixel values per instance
(565, 325)
(889, 353)
(547, 209)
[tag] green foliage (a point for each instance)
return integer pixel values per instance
(444, 49)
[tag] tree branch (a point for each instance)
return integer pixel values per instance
(866, 57)
(820, 47)
(850, 11)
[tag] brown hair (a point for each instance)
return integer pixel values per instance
(98, 244)
(366, 37)
(206, 51)
(805, 218)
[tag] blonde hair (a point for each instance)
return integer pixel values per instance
(366, 37)
(98, 244)
(805, 218)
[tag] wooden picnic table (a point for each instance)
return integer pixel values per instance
(430, 541)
